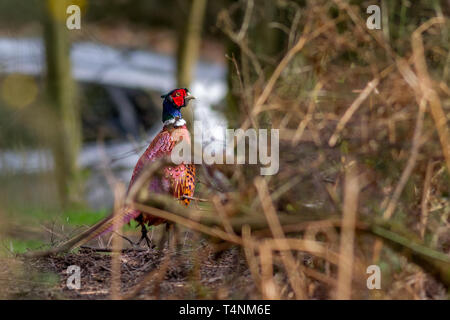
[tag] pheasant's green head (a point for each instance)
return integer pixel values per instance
(173, 102)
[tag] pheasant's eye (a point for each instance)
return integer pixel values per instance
(177, 94)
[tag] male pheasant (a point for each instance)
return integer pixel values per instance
(178, 180)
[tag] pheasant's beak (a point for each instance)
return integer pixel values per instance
(188, 98)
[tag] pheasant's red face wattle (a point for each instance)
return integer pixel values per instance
(178, 97)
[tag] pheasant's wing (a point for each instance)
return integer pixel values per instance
(182, 181)
(161, 145)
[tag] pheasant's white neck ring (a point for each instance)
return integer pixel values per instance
(176, 122)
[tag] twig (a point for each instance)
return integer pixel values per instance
(164, 206)
(294, 26)
(268, 286)
(352, 109)
(313, 247)
(111, 250)
(279, 69)
(425, 195)
(410, 164)
(307, 35)
(296, 277)
(124, 237)
(117, 244)
(193, 198)
(346, 256)
(309, 115)
(223, 215)
(435, 262)
(241, 86)
(188, 223)
(248, 246)
(224, 18)
(246, 21)
(426, 85)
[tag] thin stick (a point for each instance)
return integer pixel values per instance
(312, 247)
(120, 235)
(350, 207)
(269, 288)
(246, 21)
(319, 276)
(111, 250)
(193, 198)
(215, 232)
(307, 36)
(309, 115)
(426, 85)
(352, 109)
(222, 214)
(247, 244)
(425, 195)
(117, 244)
(410, 164)
(296, 276)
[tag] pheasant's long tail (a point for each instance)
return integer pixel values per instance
(104, 226)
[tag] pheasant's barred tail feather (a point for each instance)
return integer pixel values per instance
(106, 225)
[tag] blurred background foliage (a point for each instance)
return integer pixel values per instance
(385, 133)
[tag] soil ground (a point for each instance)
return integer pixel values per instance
(194, 272)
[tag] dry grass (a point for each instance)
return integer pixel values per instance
(394, 132)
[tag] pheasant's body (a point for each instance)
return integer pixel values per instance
(177, 180)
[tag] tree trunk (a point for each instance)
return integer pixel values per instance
(66, 138)
(188, 50)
